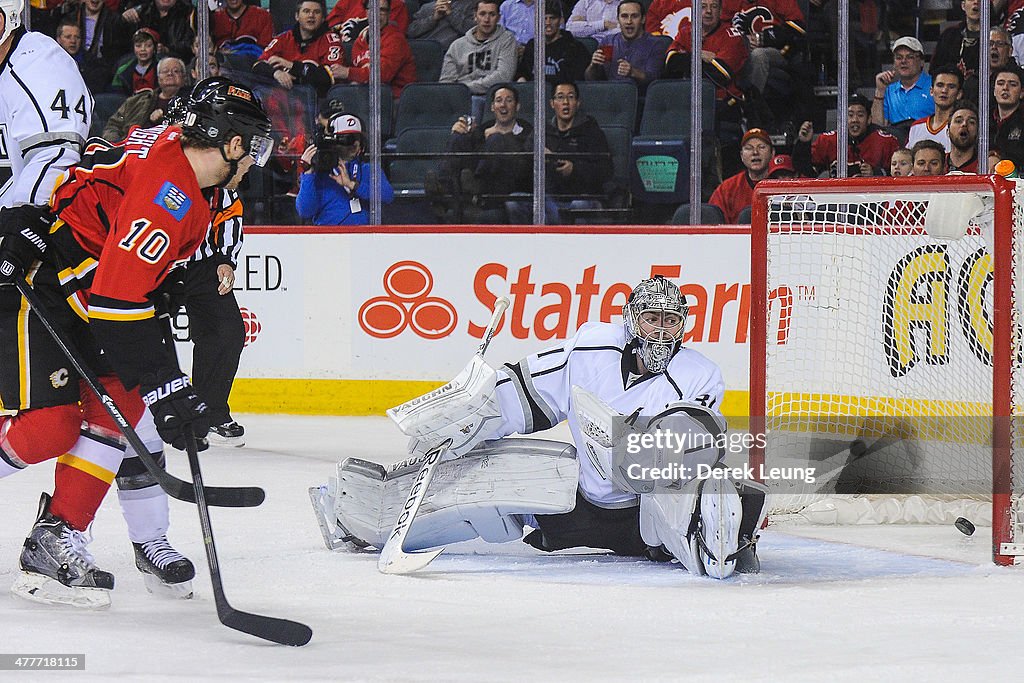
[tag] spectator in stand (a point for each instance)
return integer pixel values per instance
(929, 158)
(482, 58)
(104, 40)
(1000, 54)
(597, 19)
(737, 192)
(902, 163)
(147, 107)
(69, 37)
(565, 58)
(348, 18)
(305, 54)
(1007, 135)
(463, 176)
(957, 47)
(781, 168)
(869, 149)
(665, 17)
(963, 136)
(572, 132)
(138, 72)
(443, 21)
(397, 67)
(636, 54)
(172, 21)
(946, 88)
(335, 187)
(903, 94)
(238, 21)
(723, 53)
(777, 69)
(518, 16)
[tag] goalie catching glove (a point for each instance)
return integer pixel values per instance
(465, 410)
(175, 406)
(24, 229)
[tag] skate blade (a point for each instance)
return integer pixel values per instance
(232, 441)
(175, 591)
(47, 591)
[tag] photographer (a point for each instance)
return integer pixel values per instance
(334, 188)
(869, 149)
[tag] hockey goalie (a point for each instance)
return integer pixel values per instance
(613, 383)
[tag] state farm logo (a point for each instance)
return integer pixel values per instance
(408, 304)
(252, 324)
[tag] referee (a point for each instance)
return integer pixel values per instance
(215, 323)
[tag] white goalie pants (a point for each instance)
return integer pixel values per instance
(485, 493)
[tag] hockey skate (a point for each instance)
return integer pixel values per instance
(335, 535)
(56, 568)
(164, 570)
(227, 434)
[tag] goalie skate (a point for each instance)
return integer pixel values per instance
(335, 535)
(165, 571)
(56, 568)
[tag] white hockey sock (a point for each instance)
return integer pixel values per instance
(146, 512)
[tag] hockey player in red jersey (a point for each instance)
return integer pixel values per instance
(124, 217)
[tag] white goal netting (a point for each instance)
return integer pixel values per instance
(881, 356)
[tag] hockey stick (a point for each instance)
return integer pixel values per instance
(393, 557)
(276, 630)
(245, 496)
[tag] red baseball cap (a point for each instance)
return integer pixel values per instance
(780, 162)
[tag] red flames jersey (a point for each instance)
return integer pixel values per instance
(323, 50)
(137, 209)
(665, 16)
(731, 53)
(876, 149)
(754, 16)
(254, 22)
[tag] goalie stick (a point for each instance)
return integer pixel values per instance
(393, 557)
(276, 630)
(245, 496)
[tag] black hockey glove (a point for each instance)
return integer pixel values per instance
(175, 406)
(24, 230)
(169, 296)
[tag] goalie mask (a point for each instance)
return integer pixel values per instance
(12, 10)
(654, 318)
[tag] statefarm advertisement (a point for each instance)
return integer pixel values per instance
(413, 306)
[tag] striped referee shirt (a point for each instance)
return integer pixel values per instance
(224, 239)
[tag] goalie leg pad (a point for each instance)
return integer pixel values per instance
(485, 493)
(700, 526)
(718, 535)
(666, 519)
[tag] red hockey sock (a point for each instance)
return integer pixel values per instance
(77, 494)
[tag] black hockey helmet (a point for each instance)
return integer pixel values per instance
(218, 109)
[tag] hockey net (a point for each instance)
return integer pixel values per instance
(885, 353)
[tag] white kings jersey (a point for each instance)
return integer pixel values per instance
(45, 112)
(536, 393)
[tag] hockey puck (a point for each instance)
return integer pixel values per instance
(964, 526)
(858, 448)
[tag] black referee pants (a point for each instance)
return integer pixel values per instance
(215, 325)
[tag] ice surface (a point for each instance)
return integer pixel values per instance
(846, 604)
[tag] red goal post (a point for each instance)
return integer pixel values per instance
(885, 318)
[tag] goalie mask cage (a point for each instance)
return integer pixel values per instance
(885, 350)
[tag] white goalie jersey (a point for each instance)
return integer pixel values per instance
(536, 393)
(45, 113)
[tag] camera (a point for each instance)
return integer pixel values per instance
(326, 157)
